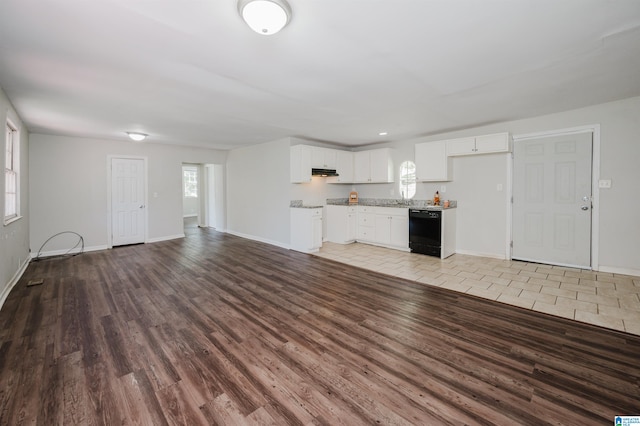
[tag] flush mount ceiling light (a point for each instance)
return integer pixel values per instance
(265, 17)
(137, 136)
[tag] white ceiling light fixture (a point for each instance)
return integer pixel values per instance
(265, 17)
(136, 136)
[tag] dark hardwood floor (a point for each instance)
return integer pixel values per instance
(216, 329)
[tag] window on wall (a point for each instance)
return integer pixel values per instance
(11, 169)
(408, 179)
(190, 180)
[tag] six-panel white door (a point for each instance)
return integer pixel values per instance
(552, 200)
(127, 201)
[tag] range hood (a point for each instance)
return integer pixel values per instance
(324, 172)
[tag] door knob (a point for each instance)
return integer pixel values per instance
(584, 208)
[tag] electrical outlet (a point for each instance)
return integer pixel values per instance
(604, 183)
(499, 187)
(443, 189)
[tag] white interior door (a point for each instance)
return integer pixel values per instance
(127, 201)
(552, 200)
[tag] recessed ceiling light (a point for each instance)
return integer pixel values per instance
(265, 17)
(136, 136)
(383, 133)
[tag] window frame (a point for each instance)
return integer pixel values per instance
(186, 181)
(11, 167)
(407, 182)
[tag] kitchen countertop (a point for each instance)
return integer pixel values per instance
(377, 202)
(384, 202)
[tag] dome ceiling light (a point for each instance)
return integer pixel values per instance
(136, 136)
(265, 17)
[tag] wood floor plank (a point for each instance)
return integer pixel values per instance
(216, 329)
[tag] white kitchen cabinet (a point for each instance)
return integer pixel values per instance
(341, 224)
(373, 166)
(392, 227)
(366, 224)
(323, 158)
(497, 142)
(300, 163)
(432, 162)
(400, 230)
(344, 167)
(448, 233)
(306, 229)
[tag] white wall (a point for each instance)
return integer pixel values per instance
(14, 237)
(68, 186)
(257, 192)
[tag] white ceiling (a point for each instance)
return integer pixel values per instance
(191, 72)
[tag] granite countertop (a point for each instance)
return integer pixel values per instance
(306, 207)
(377, 202)
(386, 202)
(297, 204)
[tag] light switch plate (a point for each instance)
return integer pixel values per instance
(604, 183)
(499, 187)
(443, 189)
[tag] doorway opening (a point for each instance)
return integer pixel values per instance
(203, 196)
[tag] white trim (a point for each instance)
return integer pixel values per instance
(480, 254)
(260, 239)
(508, 249)
(594, 129)
(66, 251)
(544, 262)
(621, 271)
(13, 281)
(165, 238)
(17, 169)
(110, 159)
(190, 215)
(13, 219)
(556, 132)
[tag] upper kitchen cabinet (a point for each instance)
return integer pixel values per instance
(323, 158)
(300, 167)
(432, 162)
(373, 166)
(344, 167)
(497, 142)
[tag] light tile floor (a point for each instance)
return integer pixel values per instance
(600, 298)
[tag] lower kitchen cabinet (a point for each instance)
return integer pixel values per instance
(392, 227)
(366, 224)
(306, 229)
(385, 226)
(341, 224)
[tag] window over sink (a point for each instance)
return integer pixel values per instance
(407, 179)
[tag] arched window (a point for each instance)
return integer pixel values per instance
(408, 179)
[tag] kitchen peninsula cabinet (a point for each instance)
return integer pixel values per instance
(306, 229)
